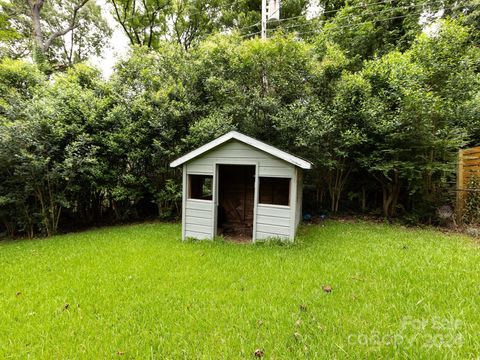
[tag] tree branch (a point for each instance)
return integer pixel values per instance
(73, 25)
(122, 21)
(152, 21)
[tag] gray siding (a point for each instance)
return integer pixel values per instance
(298, 211)
(234, 152)
(273, 221)
(199, 219)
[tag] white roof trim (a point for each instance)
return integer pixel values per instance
(247, 140)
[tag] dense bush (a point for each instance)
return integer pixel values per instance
(382, 133)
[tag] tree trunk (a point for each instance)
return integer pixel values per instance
(364, 199)
(391, 192)
(336, 180)
(41, 45)
(36, 8)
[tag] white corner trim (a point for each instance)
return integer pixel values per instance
(247, 140)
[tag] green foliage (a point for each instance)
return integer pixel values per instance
(380, 109)
(7, 31)
(169, 199)
(18, 82)
(410, 113)
(210, 127)
(471, 214)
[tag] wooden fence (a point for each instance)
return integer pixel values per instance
(468, 168)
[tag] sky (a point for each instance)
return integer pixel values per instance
(118, 45)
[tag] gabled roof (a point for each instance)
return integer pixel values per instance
(247, 140)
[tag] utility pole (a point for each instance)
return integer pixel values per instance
(272, 13)
(264, 19)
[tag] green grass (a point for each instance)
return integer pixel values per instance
(139, 292)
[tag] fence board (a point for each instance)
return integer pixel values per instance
(474, 150)
(468, 167)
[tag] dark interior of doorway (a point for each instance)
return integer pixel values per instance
(236, 184)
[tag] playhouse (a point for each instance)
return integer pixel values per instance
(241, 187)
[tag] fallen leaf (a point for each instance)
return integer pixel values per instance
(120, 353)
(259, 353)
(327, 288)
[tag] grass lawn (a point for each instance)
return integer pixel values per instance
(139, 292)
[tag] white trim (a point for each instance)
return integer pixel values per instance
(293, 204)
(275, 206)
(247, 140)
(255, 203)
(215, 200)
(184, 200)
(201, 201)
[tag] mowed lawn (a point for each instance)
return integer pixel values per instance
(139, 292)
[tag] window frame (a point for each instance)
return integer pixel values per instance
(189, 188)
(282, 206)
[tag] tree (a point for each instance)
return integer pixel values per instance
(187, 22)
(7, 32)
(19, 80)
(143, 22)
(51, 160)
(58, 32)
(152, 113)
(410, 117)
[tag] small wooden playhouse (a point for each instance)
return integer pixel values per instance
(238, 186)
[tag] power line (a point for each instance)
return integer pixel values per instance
(251, 34)
(249, 26)
(367, 22)
(364, 14)
(358, 24)
(322, 14)
(337, 10)
(220, 9)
